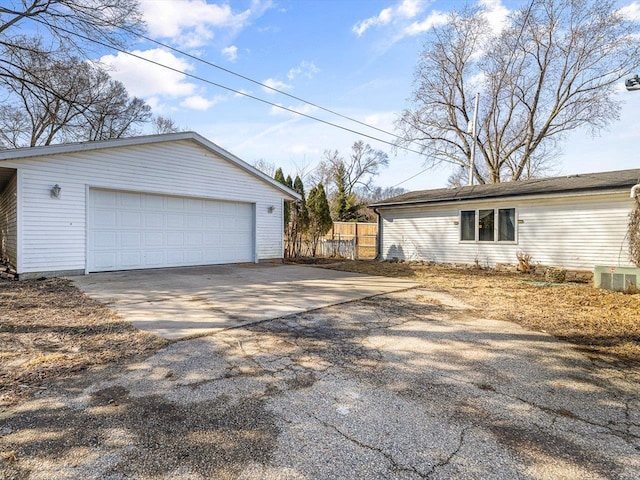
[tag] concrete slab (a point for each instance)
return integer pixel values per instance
(184, 302)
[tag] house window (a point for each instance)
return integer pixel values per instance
(507, 225)
(468, 226)
(488, 225)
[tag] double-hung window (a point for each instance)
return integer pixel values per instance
(488, 225)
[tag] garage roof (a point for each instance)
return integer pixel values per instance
(584, 182)
(17, 153)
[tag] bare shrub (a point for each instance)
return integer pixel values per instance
(555, 275)
(525, 262)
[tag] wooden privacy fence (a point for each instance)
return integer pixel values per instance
(350, 240)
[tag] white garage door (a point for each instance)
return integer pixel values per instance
(129, 230)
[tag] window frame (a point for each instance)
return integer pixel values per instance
(496, 226)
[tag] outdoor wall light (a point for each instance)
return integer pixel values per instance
(55, 191)
(270, 208)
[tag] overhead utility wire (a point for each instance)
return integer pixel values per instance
(238, 92)
(256, 82)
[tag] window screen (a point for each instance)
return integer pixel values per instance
(468, 225)
(507, 225)
(486, 225)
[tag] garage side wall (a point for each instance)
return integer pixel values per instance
(54, 230)
(9, 222)
(573, 232)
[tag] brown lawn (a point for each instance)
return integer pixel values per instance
(48, 329)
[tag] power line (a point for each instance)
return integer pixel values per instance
(256, 82)
(238, 92)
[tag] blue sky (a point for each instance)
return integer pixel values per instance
(356, 57)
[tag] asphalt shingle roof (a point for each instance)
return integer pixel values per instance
(542, 186)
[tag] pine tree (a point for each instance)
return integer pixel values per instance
(319, 216)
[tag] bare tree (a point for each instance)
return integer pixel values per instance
(72, 23)
(360, 168)
(73, 28)
(113, 114)
(266, 167)
(55, 98)
(162, 124)
(552, 69)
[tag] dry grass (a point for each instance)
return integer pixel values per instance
(600, 322)
(49, 329)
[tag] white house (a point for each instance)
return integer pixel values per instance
(574, 222)
(132, 203)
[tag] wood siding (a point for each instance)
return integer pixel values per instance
(9, 221)
(53, 233)
(576, 232)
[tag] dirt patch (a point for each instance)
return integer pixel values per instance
(598, 321)
(313, 261)
(50, 329)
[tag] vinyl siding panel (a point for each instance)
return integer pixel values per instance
(577, 232)
(9, 221)
(54, 230)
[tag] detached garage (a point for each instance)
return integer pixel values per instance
(143, 202)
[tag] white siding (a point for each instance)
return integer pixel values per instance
(53, 232)
(9, 222)
(572, 232)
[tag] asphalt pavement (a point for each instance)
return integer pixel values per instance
(407, 385)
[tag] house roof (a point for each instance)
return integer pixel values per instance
(29, 152)
(584, 182)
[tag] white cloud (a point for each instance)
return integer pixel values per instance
(631, 11)
(405, 10)
(305, 70)
(231, 52)
(191, 23)
(144, 79)
(496, 14)
(435, 18)
(274, 83)
(196, 102)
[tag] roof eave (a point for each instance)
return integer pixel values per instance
(558, 193)
(48, 150)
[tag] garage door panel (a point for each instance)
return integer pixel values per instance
(194, 239)
(104, 239)
(153, 201)
(174, 203)
(194, 222)
(153, 259)
(153, 220)
(175, 221)
(129, 200)
(130, 239)
(130, 259)
(103, 198)
(105, 218)
(129, 230)
(130, 219)
(175, 239)
(153, 239)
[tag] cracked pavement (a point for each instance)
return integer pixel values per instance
(409, 385)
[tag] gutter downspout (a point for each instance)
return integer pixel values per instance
(635, 191)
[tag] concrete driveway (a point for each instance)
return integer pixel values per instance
(410, 385)
(185, 302)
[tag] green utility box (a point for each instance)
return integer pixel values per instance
(619, 279)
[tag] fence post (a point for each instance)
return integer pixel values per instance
(355, 243)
